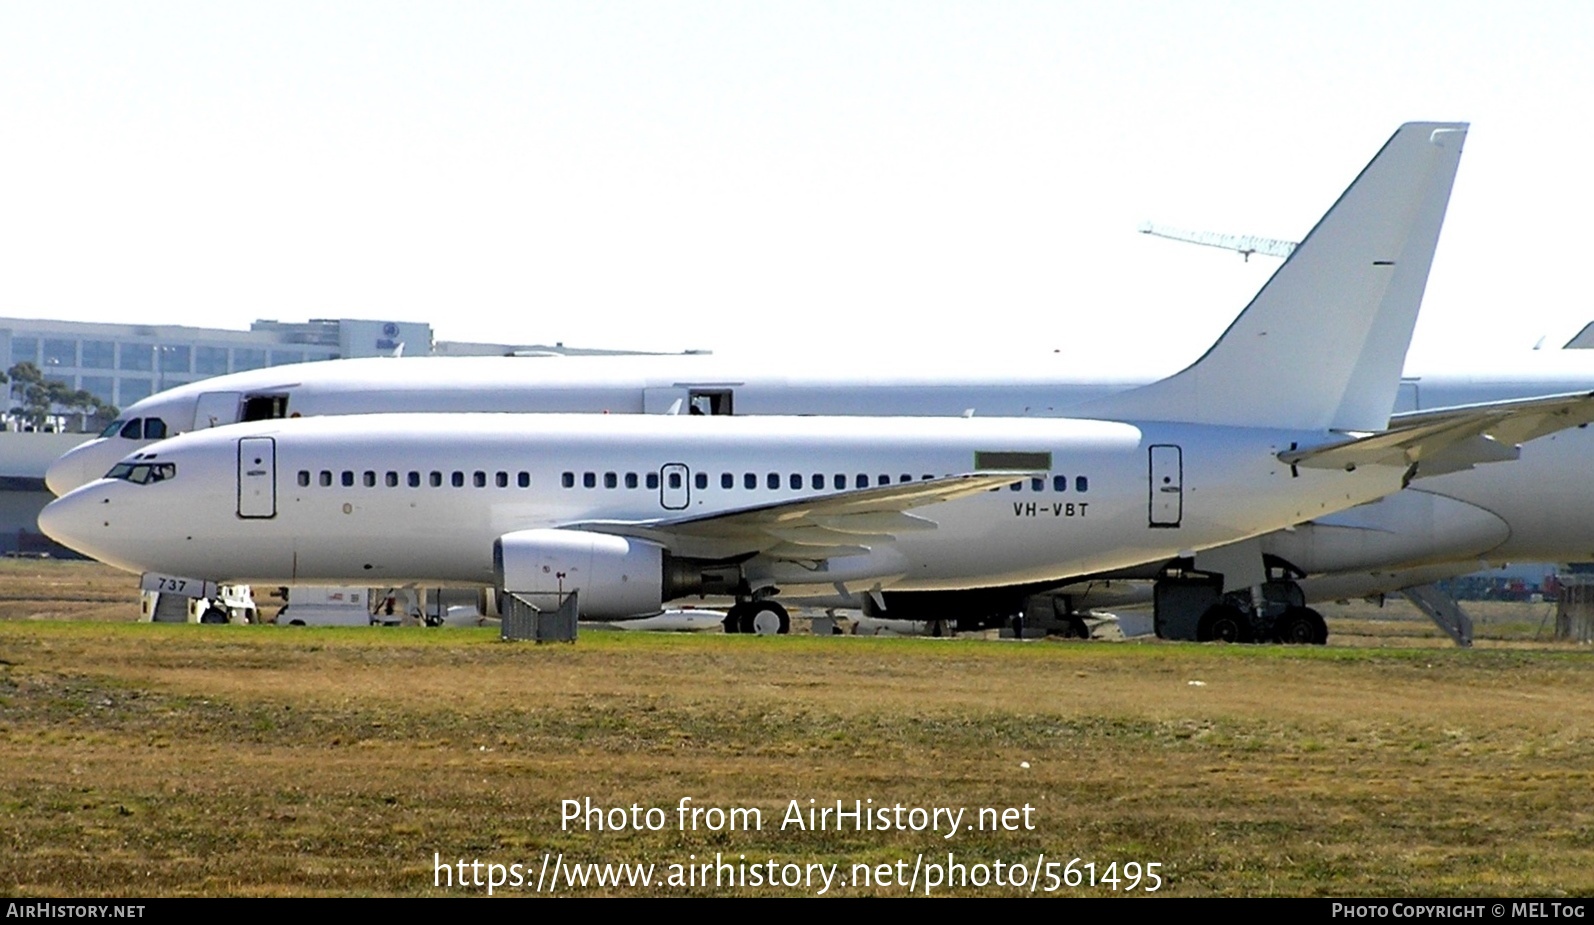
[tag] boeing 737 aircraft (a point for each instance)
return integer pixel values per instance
(771, 507)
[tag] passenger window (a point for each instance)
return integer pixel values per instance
(675, 480)
(568, 480)
(1037, 484)
(1059, 483)
(415, 479)
(436, 478)
(749, 481)
(773, 480)
(154, 429)
(883, 480)
(905, 478)
(701, 480)
(348, 478)
(839, 482)
(727, 480)
(796, 482)
(370, 479)
(630, 480)
(326, 478)
(502, 479)
(1016, 486)
(611, 480)
(525, 480)
(653, 481)
(457, 479)
(479, 479)
(817, 482)
(1081, 484)
(392, 480)
(860, 481)
(134, 429)
(589, 479)
(304, 478)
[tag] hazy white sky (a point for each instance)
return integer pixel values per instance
(851, 178)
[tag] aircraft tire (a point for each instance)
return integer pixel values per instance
(1223, 623)
(734, 618)
(1300, 626)
(766, 618)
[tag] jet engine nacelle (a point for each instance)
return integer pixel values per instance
(616, 576)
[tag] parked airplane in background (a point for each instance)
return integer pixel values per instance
(744, 507)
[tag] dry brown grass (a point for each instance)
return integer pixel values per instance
(161, 760)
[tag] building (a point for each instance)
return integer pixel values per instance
(123, 363)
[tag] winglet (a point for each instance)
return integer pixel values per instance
(1321, 345)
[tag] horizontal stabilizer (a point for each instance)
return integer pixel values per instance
(1448, 439)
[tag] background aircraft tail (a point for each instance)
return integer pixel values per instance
(1321, 345)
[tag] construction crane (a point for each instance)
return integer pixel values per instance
(1245, 244)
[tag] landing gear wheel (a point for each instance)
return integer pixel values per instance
(1301, 626)
(766, 618)
(214, 615)
(1223, 623)
(735, 617)
(1074, 628)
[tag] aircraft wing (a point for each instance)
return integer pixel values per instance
(1451, 439)
(845, 523)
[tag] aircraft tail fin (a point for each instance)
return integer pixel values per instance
(1321, 346)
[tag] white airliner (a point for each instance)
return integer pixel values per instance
(633, 511)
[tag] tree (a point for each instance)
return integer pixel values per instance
(43, 399)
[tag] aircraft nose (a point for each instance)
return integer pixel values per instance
(70, 471)
(68, 520)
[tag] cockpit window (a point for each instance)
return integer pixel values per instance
(143, 473)
(134, 429)
(154, 429)
(112, 428)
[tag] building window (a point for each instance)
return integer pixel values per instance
(136, 356)
(247, 358)
(176, 359)
(133, 390)
(102, 387)
(99, 354)
(210, 361)
(24, 350)
(60, 352)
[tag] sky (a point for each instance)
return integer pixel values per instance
(840, 180)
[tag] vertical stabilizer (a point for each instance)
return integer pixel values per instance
(1321, 345)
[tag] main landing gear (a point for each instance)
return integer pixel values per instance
(763, 617)
(1192, 605)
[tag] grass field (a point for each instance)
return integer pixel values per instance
(214, 760)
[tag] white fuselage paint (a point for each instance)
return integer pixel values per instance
(1534, 509)
(1233, 487)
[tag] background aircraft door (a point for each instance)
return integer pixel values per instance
(675, 490)
(257, 477)
(1167, 485)
(216, 408)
